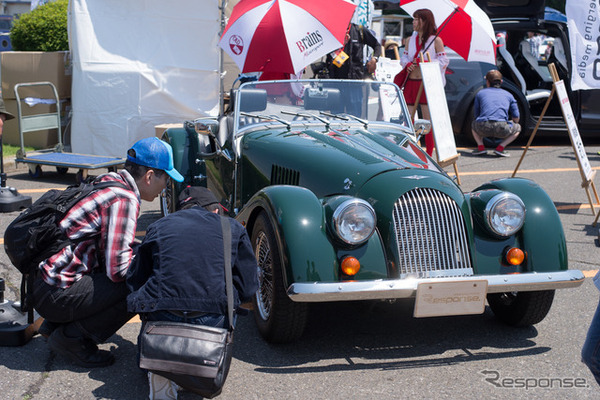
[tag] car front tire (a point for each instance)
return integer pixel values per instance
(279, 319)
(521, 308)
(168, 200)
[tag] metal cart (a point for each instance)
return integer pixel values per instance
(56, 157)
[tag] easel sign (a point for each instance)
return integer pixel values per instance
(587, 174)
(440, 116)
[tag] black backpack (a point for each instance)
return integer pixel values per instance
(35, 235)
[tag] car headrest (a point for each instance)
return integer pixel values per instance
(253, 100)
(323, 99)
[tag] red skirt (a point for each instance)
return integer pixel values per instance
(410, 92)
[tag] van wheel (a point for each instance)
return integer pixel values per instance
(526, 120)
(466, 129)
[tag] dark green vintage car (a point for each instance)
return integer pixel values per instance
(342, 204)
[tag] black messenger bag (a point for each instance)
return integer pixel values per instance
(196, 357)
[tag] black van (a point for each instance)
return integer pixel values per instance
(530, 37)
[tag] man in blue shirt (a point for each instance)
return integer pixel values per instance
(496, 115)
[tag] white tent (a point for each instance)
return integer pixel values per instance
(137, 64)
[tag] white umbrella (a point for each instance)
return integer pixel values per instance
(462, 25)
(284, 35)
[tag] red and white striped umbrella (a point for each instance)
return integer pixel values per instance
(463, 27)
(284, 35)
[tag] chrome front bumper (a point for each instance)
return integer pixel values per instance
(407, 288)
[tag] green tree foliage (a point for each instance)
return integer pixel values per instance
(43, 29)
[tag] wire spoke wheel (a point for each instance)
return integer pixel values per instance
(278, 318)
(168, 201)
(264, 295)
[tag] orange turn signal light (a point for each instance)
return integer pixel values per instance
(515, 256)
(350, 266)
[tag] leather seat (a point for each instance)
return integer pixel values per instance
(530, 95)
(541, 70)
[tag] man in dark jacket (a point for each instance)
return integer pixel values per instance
(354, 66)
(180, 263)
(178, 273)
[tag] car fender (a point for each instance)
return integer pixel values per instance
(185, 145)
(306, 249)
(547, 251)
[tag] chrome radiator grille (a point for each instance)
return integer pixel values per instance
(431, 235)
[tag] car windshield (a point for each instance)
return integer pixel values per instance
(320, 102)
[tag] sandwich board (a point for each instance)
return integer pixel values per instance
(445, 146)
(585, 169)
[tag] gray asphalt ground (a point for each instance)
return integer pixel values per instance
(366, 350)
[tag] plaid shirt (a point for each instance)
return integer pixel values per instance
(109, 217)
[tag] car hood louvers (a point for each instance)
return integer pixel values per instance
(284, 176)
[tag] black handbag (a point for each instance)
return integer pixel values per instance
(195, 357)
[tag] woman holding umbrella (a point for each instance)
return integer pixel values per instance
(424, 39)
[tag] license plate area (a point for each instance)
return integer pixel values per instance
(437, 299)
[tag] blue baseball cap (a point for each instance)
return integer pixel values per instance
(155, 153)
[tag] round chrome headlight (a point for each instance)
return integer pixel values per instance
(354, 221)
(505, 214)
